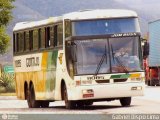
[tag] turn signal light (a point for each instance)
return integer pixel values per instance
(78, 83)
(136, 88)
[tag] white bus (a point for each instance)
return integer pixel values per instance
(80, 57)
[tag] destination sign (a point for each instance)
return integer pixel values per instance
(124, 35)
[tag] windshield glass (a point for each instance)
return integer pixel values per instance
(104, 27)
(88, 55)
(112, 55)
(124, 54)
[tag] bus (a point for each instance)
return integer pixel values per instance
(80, 57)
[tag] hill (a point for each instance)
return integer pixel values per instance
(29, 10)
(150, 8)
(58, 7)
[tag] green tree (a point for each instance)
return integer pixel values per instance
(5, 17)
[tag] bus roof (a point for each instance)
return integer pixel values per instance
(100, 13)
(80, 15)
(31, 24)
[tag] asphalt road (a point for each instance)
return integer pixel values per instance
(149, 103)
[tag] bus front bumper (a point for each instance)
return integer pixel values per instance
(106, 91)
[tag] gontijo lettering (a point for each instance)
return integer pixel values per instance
(33, 61)
(18, 63)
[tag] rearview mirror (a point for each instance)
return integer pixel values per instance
(145, 49)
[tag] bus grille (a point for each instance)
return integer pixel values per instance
(120, 80)
(102, 81)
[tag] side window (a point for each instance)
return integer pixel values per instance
(35, 39)
(39, 38)
(55, 42)
(31, 40)
(43, 38)
(60, 34)
(14, 43)
(27, 41)
(52, 36)
(17, 42)
(21, 42)
(24, 43)
(48, 39)
(67, 28)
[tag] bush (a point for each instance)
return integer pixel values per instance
(7, 83)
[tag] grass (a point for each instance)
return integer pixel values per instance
(7, 83)
(7, 94)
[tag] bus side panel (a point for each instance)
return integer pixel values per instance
(19, 85)
(51, 74)
(31, 71)
(62, 74)
(46, 79)
(21, 78)
(43, 78)
(40, 79)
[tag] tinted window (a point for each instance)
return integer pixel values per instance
(17, 42)
(43, 37)
(14, 42)
(103, 27)
(31, 40)
(21, 42)
(52, 35)
(35, 39)
(67, 29)
(48, 39)
(55, 36)
(60, 34)
(27, 40)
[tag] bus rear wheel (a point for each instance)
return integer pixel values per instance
(125, 101)
(32, 103)
(68, 103)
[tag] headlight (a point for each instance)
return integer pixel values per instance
(138, 79)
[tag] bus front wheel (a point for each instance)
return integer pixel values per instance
(44, 104)
(68, 103)
(125, 101)
(88, 103)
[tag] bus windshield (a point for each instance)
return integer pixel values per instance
(101, 56)
(105, 26)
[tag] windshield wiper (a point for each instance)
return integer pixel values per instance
(101, 61)
(118, 60)
(74, 51)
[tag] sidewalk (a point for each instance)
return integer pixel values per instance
(8, 98)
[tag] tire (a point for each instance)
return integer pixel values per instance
(68, 103)
(80, 104)
(32, 103)
(152, 83)
(149, 83)
(44, 104)
(125, 102)
(26, 92)
(158, 83)
(88, 103)
(28, 98)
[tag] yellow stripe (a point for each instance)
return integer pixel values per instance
(135, 75)
(44, 60)
(41, 85)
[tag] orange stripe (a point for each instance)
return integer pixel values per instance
(135, 75)
(44, 60)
